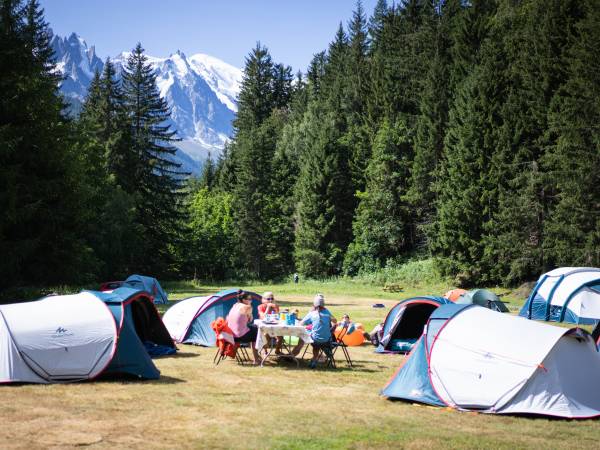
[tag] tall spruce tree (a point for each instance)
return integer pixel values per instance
(158, 180)
(264, 96)
(535, 40)
(573, 226)
(40, 188)
(114, 238)
(432, 121)
(317, 252)
(357, 138)
(380, 225)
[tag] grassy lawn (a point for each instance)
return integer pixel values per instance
(197, 405)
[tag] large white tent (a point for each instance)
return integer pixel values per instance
(471, 358)
(62, 338)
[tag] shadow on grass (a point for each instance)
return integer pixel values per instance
(182, 355)
(165, 379)
(341, 366)
(515, 415)
(131, 379)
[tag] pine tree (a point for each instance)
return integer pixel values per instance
(377, 24)
(432, 122)
(40, 189)
(158, 180)
(381, 231)
(323, 216)
(573, 226)
(357, 138)
(113, 238)
(264, 96)
(535, 39)
(207, 177)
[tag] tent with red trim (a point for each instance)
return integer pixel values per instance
(141, 332)
(79, 337)
(188, 321)
(475, 359)
(404, 323)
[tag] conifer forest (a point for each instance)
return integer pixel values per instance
(467, 132)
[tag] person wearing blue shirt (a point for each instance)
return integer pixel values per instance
(321, 320)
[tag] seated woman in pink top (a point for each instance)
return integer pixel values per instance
(239, 320)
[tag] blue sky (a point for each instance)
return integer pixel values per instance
(227, 29)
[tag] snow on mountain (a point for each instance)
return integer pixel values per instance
(77, 63)
(201, 91)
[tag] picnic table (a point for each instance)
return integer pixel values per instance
(267, 331)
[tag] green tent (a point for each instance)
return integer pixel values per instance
(483, 297)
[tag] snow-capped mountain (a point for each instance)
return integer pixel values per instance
(201, 91)
(77, 63)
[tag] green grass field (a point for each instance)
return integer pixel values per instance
(197, 405)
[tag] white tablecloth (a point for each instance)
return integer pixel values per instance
(280, 329)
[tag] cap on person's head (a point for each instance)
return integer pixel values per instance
(268, 295)
(319, 300)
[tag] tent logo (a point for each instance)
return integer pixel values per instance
(61, 332)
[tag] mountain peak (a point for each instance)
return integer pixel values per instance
(201, 91)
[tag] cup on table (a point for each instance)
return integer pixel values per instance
(291, 319)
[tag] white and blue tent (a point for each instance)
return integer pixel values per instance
(189, 320)
(78, 337)
(474, 359)
(566, 294)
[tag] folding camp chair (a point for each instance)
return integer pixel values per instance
(327, 350)
(226, 345)
(338, 342)
(241, 355)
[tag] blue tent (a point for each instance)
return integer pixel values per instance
(138, 323)
(405, 321)
(566, 294)
(148, 284)
(188, 321)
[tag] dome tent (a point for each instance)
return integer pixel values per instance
(79, 337)
(566, 294)
(405, 321)
(188, 321)
(474, 359)
(482, 297)
(138, 323)
(141, 282)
